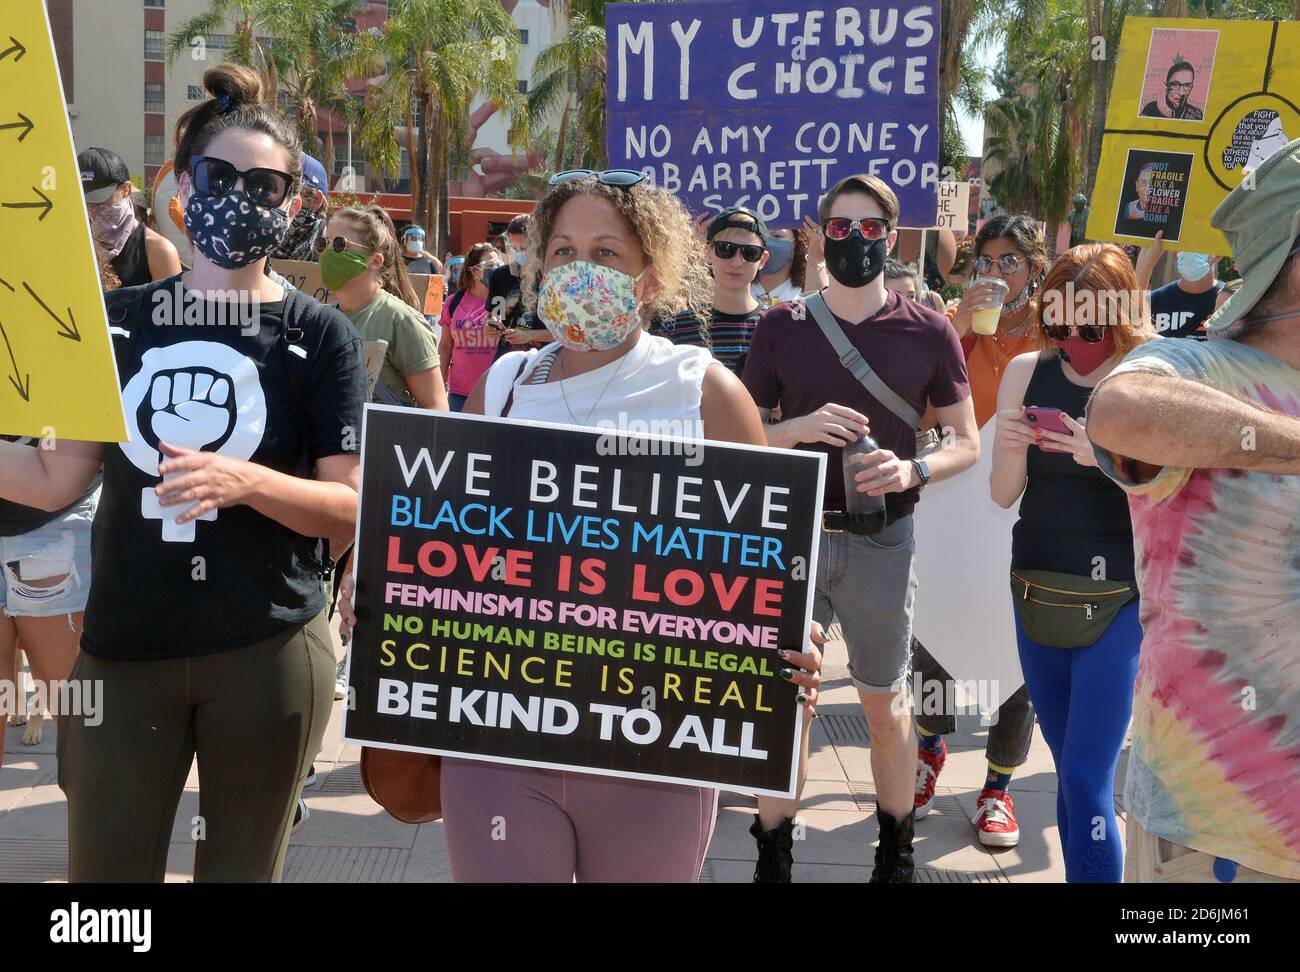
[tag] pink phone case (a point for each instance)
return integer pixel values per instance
(1050, 420)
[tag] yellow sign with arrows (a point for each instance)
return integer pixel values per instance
(58, 376)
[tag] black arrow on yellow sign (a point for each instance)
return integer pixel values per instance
(45, 205)
(17, 46)
(24, 384)
(26, 125)
(65, 330)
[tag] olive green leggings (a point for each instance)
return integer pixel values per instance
(254, 716)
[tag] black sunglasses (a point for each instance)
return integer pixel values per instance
(1091, 333)
(217, 177)
(610, 177)
(338, 244)
(725, 251)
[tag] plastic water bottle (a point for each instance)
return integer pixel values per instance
(865, 514)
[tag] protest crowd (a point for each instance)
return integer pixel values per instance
(1146, 440)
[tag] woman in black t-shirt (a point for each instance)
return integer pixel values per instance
(1072, 576)
(205, 631)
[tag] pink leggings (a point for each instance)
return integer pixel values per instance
(518, 824)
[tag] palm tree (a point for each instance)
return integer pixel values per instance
(1041, 123)
(438, 55)
(251, 20)
(315, 56)
(569, 75)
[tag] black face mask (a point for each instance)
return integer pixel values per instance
(231, 230)
(855, 261)
(302, 229)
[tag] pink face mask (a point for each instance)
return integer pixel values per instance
(112, 225)
(1085, 358)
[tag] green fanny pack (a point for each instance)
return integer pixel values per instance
(1066, 610)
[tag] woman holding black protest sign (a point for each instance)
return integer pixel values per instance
(205, 630)
(607, 253)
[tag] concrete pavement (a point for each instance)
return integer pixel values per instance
(350, 839)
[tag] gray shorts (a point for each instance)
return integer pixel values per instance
(869, 585)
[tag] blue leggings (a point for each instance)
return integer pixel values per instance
(1084, 697)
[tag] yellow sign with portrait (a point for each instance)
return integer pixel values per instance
(58, 377)
(1195, 107)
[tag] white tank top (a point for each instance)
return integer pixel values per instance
(656, 382)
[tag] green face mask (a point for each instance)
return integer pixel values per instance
(336, 269)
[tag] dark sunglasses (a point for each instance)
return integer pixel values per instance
(1007, 263)
(610, 177)
(749, 252)
(217, 177)
(871, 228)
(338, 244)
(1091, 333)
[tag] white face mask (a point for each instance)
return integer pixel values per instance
(415, 246)
(1193, 266)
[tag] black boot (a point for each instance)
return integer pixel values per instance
(894, 863)
(775, 857)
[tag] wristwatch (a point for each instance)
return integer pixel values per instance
(923, 471)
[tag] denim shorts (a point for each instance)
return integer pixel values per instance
(869, 585)
(59, 548)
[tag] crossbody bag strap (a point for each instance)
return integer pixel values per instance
(856, 364)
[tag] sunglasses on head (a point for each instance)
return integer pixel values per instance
(1007, 263)
(217, 177)
(338, 244)
(871, 228)
(1090, 333)
(747, 251)
(610, 177)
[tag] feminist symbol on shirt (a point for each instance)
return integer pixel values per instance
(199, 395)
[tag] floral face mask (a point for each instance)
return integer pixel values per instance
(587, 307)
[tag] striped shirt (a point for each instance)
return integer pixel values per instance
(726, 335)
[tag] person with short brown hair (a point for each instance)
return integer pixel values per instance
(795, 363)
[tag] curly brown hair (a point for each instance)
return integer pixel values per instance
(660, 224)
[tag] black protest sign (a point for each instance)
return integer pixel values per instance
(591, 600)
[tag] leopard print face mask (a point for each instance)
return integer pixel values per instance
(231, 230)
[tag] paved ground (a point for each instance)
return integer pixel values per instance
(349, 838)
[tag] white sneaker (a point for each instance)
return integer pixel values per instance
(300, 817)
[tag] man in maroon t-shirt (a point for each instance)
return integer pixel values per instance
(865, 581)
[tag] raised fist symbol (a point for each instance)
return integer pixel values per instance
(191, 407)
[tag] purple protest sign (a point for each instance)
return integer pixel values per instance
(768, 103)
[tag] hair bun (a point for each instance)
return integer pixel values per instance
(233, 85)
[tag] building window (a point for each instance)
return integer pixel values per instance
(153, 45)
(195, 92)
(153, 97)
(523, 87)
(155, 3)
(216, 42)
(155, 150)
(523, 36)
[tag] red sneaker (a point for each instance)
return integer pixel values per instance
(929, 764)
(996, 819)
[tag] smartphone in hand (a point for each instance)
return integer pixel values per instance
(1049, 420)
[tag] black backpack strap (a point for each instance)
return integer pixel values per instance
(128, 308)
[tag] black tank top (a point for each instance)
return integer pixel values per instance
(1070, 514)
(132, 264)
